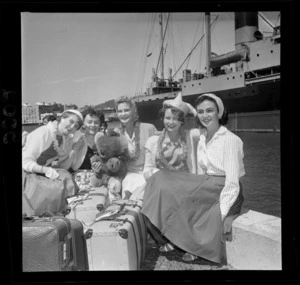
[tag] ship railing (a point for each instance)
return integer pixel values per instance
(257, 79)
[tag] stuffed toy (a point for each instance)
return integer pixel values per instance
(113, 154)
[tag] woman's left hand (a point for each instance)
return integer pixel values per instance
(51, 173)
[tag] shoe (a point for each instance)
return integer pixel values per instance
(188, 257)
(166, 248)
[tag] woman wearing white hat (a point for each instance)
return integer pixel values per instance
(188, 196)
(44, 149)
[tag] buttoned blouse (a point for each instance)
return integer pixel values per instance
(222, 156)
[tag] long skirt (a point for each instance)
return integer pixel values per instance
(185, 208)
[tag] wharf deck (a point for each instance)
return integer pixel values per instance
(172, 261)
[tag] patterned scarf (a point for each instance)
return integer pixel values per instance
(171, 155)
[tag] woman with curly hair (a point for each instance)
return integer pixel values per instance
(136, 134)
(84, 144)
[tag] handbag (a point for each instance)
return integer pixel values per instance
(42, 195)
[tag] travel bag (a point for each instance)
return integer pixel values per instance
(87, 204)
(116, 240)
(53, 244)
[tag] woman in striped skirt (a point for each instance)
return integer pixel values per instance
(188, 208)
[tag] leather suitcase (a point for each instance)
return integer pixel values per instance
(53, 244)
(117, 243)
(87, 204)
(79, 249)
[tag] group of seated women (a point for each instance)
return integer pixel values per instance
(189, 180)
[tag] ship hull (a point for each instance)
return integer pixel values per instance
(252, 98)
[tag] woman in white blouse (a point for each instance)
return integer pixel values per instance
(43, 154)
(188, 209)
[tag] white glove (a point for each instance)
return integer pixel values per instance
(51, 173)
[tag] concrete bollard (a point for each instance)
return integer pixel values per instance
(256, 242)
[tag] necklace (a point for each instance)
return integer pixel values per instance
(137, 139)
(161, 160)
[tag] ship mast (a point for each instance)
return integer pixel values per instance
(208, 42)
(162, 45)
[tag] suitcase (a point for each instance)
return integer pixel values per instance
(118, 242)
(53, 244)
(85, 206)
(79, 249)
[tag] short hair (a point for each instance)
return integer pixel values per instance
(49, 118)
(174, 111)
(125, 99)
(67, 114)
(92, 112)
(222, 121)
(104, 124)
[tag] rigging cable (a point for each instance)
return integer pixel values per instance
(193, 49)
(175, 57)
(218, 47)
(193, 43)
(143, 62)
(162, 45)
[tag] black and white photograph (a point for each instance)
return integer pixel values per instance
(150, 141)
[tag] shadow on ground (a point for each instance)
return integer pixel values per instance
(172, 261)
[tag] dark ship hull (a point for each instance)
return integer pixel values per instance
(256, 98)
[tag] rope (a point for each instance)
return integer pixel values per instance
(193, 49)
(162, 45)
(142, 67)
(193, 42)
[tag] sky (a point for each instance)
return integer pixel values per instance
(90, 58)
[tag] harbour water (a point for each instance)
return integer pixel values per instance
(262, 182)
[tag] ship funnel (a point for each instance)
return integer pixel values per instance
(246, 28)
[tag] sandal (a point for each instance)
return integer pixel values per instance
(166, 248)
(188, 257)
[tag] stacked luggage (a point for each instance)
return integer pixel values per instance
(116, 239)
(54, 244)
(95, 234)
